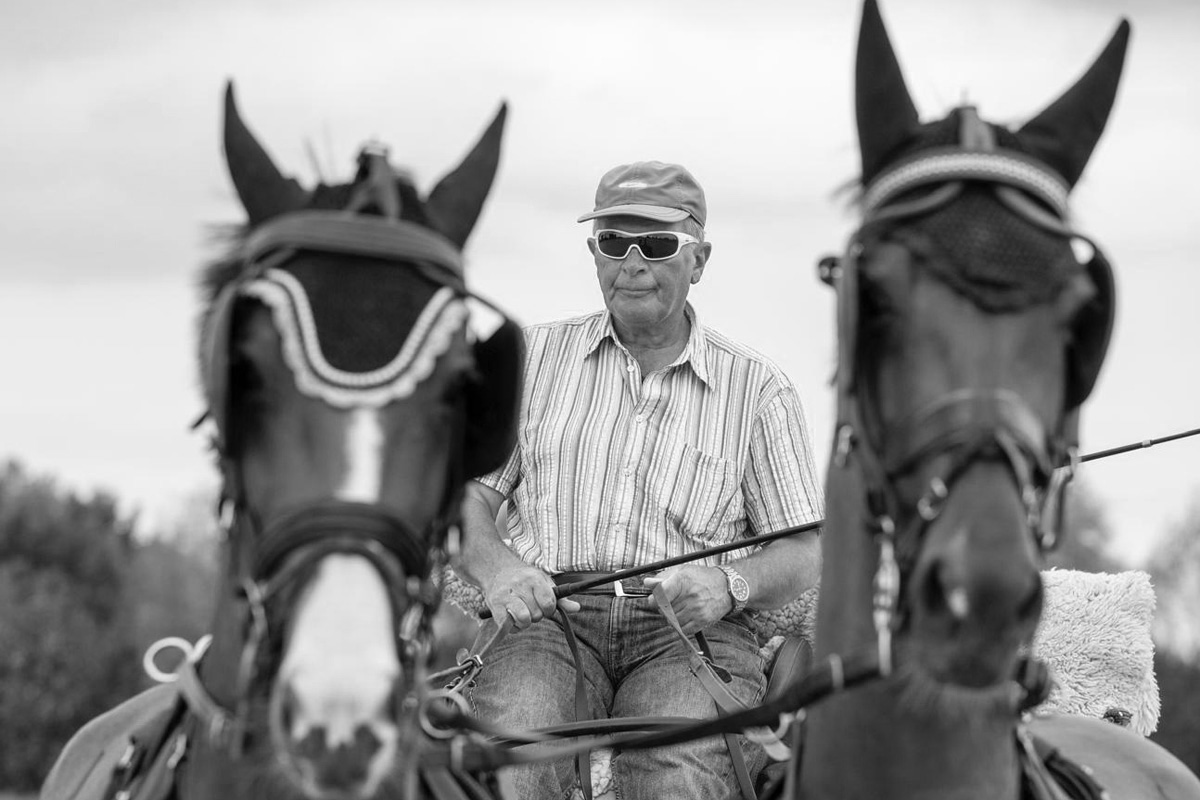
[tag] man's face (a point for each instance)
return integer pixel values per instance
(648, 295)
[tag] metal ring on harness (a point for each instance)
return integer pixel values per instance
(432, 729)
(185, 647)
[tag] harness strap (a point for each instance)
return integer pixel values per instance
(957, 417)
(583, 711)
(354, 521)
(714, 679)
(1039, 784)
(442, 785)
(833, 675)
(339, 232)
(448, 783)
(146, 770)
(470, 663)
(700, 662)
(219, 724)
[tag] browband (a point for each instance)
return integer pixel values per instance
(941, 165)
(431, 335)
(353, 234)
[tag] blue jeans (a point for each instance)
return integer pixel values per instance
(634, 665)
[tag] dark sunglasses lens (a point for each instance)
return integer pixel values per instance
(658, 246)
(654, 247)
(613, 245)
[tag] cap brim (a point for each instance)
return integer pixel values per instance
(656, 213)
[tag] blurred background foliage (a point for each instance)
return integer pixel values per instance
(83, 597)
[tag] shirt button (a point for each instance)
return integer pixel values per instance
(640, 418)
(629, 367)
(629, 470)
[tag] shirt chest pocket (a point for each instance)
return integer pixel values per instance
(701, 495)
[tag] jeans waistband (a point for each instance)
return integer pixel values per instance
(627, 587)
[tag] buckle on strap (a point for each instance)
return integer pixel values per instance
(619, 589)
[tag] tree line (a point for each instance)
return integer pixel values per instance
(82, 597)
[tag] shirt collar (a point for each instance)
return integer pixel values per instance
(695, 352)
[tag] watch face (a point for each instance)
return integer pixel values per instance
(739, 588)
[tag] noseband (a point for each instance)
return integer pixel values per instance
(967, 426)
(291, 547)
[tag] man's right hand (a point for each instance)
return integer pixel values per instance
(524, 593)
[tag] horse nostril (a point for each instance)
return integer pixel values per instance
(942, 594)
(312, 745)
(341, 767)
(938, 595)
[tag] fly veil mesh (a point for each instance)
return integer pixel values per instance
(980, 248)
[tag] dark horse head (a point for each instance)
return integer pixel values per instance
(969, 335)
(356, 384)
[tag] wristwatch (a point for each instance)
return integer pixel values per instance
(739, 589)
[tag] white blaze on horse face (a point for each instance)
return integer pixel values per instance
(341, 665)
(364, 457)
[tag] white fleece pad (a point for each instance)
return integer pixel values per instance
(1095, 635)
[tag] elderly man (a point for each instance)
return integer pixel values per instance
(643, 435)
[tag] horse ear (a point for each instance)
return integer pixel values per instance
(263, 190)
(885, 110)
(455, 202)
(1066, 132)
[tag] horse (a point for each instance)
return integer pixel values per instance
(969, 336)
(354, 384)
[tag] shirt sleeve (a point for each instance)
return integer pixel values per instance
(505, 479)
(780, 484)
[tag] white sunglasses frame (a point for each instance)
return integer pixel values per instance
(684, 239)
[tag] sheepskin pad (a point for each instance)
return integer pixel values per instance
(1094, 634)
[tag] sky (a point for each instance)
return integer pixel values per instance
(113, 178)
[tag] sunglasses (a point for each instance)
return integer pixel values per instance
(654, 245)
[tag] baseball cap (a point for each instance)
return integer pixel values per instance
(649, 189)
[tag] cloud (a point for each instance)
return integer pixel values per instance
(112, 167)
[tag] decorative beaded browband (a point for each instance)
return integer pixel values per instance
(941, 165)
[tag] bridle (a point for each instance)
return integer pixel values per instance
(289, 548)
(966, 426)
(271, 559)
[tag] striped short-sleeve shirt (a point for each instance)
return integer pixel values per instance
(614, 469)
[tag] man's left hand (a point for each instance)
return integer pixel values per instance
(698, 595)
